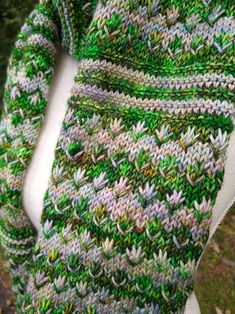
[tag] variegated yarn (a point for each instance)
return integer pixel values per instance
(139, 160)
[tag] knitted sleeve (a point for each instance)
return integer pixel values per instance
(29, 73)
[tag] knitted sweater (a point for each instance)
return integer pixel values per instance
(140, 156)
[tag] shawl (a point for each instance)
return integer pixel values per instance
(140, 156)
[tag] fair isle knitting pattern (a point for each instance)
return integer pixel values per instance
(139, 160)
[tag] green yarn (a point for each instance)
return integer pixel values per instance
(139, 160)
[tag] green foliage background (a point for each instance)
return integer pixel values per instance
(215, 279)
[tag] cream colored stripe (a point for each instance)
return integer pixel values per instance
(142, 79)
(36, 39)
(42, 19)
(15, 242)
(15, 251)
(170, 106)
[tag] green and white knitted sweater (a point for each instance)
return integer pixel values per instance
(139, 160)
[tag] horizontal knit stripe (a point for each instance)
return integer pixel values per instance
(79, 276)
(102, 300)
(94, 234)
(34, 103)
(168, 179)
(71, 207)
(184, 62)
(116, 136)
(8, 239)
(127, 208)
(14, 251)
(171, 179)
(140, 78)
(38, 41)
(183, 8)
(201, 153)
(44, 22)
(152, 269)
(204, 125)
(37, 27)
(171, 106)
(141, 285)
(157, 294)
(147, 28)
(151, 240)
(162, 70)
(202, 8)
(14, 222)
(126, 232)
(38, 23)
(148, 92)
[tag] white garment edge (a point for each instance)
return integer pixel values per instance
(39, 170)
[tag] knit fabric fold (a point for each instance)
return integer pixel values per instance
(29, 74)
(140, 156)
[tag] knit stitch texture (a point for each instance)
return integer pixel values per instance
(140, 156)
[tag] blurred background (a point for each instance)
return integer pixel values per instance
(215, 279)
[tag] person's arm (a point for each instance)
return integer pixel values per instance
(29, 73)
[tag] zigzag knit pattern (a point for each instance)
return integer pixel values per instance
(140, 156)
